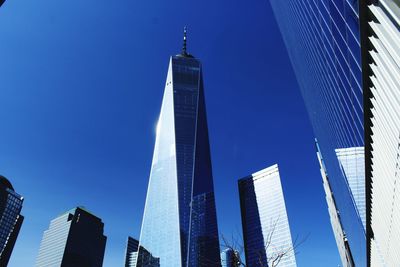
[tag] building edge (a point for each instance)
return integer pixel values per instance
(365, 33)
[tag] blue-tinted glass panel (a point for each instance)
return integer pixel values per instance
(160, 233)
(326, 61)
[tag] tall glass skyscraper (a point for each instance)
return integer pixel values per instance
(323, 42)
(74, 239)
(10, 219)
(179, 223)
(265, 223)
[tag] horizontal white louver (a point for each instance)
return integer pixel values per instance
(385, 198)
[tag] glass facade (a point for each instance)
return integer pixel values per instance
(74, 239)
(323, 42)
(10, 220)
(352, 164)
(266, 231)
(179, 223)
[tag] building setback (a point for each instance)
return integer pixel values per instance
(74, 239)
(179, 222)
(380, 27)
(265, 223)
(323, 43)
(10, 220)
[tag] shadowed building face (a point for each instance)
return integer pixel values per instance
(380, 28)
(10, 219)
(74, 239)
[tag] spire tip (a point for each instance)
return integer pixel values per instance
(184, 49)
(184, 52)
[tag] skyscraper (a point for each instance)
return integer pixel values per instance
(74, 239)
(179, 223)
(380, 25)
(323, 43)
(132, 247)
(230, 258)
(134, 259)
(10, 220)
(266, 231)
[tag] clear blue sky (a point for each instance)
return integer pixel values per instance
(81, 85)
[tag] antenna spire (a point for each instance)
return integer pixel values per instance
(184, 51)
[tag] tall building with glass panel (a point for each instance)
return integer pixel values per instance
(179, 223)
(74, 239)
(10, 219)
(323, 42)
(265, 223)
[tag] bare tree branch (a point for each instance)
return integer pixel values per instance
(275, 255)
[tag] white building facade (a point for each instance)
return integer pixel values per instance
(266, 231)
(382, 84)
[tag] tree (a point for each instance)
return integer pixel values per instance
(274, 256)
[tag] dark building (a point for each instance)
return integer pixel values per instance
(134, 259)
(11, 219)
(146, 259)
(74, 239)
(132, 246)
(179, 222)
